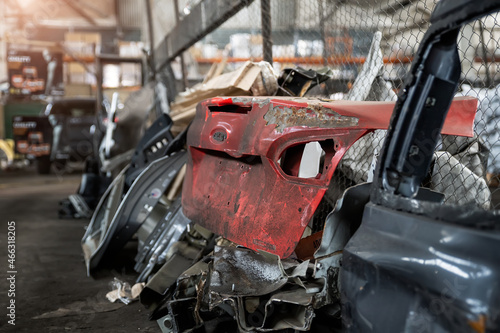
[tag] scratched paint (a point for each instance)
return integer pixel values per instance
(312, 116)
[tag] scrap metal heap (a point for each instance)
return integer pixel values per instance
(238, 251)
(244, 257)
(234, 251)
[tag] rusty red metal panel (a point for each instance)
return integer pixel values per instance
(242, 185)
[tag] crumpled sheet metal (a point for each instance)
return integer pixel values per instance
(487, 119)
(266, 293)
(457, 173)
(343, 221)
(232, 146)
(364, 87)
(133, 210)
(161, 282)
(457, 182)
(181, 263)
(284, 310)
(294, 307)
(340, 225)
(243, 272)
(167, 232)
(259, 292)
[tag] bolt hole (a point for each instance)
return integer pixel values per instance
(168, 323)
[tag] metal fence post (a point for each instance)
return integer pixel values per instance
(152, 62)
(267, 42)
(183, 64)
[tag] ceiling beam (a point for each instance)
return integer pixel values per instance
(92, 8)
(80, 12)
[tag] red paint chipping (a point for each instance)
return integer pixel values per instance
(235, 187)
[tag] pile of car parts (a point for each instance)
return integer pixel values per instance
(136, 194)
(116, 139)
(199, 277)
(233, 253)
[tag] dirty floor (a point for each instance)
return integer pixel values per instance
(52, 291)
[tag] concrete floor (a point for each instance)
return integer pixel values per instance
(52, 291)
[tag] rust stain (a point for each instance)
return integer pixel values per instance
(314, 115)
(261, 103)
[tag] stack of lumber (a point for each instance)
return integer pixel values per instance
(250, 79)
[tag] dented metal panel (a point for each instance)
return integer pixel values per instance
(166, 233)
(439, 277)
(132, 211)
(180, 260)
(244, 155)
(243, 272)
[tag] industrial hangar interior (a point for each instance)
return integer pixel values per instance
(229, 166)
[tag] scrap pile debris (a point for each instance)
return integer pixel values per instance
(223, 194)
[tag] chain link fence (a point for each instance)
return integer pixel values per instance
(369, 47)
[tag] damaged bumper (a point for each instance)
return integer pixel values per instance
(256, 146)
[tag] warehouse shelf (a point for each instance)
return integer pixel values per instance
(315, 60)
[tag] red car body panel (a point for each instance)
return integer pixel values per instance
(240, 184)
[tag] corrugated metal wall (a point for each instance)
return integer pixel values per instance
(131, 13)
